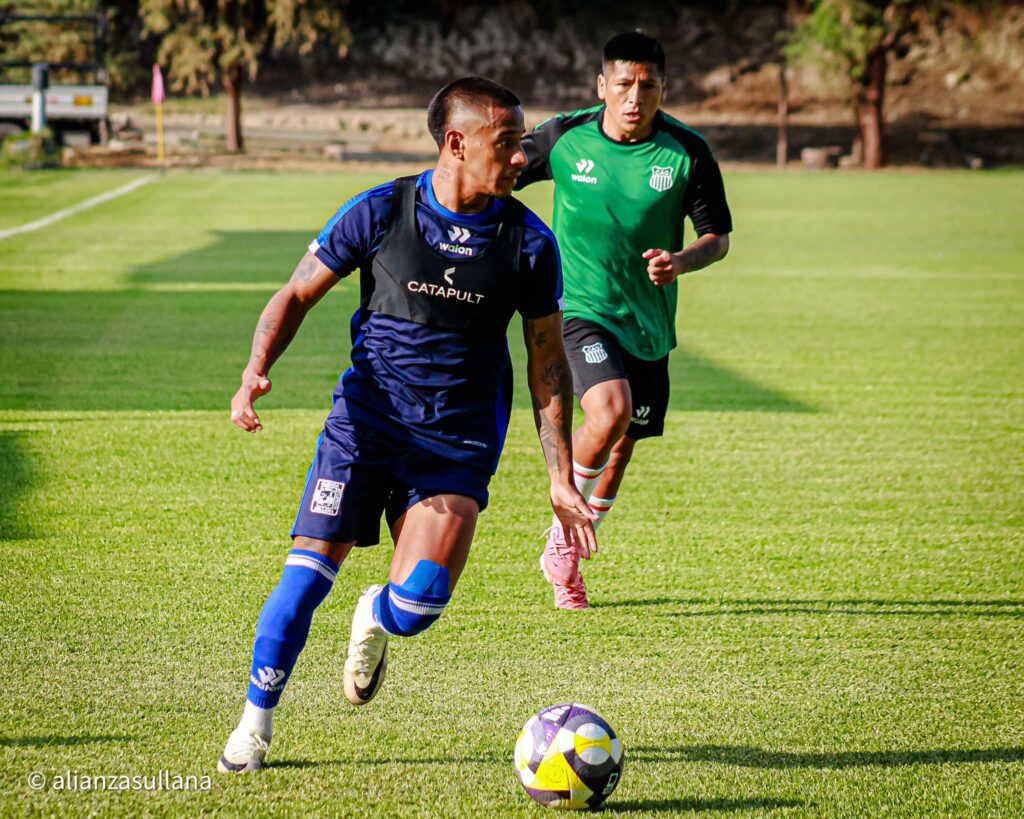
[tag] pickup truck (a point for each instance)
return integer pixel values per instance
(69, 108)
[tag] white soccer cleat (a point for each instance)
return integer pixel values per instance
(367, 660)
(246, 751)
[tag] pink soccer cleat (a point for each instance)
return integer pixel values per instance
(560, 561)
(560, 564)
(572, 595)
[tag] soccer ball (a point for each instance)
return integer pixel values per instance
(567, 756)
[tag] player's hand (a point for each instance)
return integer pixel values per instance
(576, 517)
(662, 266)
(243, 415)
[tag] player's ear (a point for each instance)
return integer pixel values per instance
(600, 86)
(455, 141)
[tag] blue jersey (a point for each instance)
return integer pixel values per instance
(445, 391)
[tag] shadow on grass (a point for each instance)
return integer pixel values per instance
(43, 742)
(178, 336)
(704, 607)
(233, 257)
(176, 350)
(247, 257)
(18, 478)
(690, 805)
(454, 760)
(700, 385)
(146, 350)
(746, 757)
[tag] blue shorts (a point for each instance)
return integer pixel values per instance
(360, 473)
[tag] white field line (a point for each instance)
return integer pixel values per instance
(46, 221)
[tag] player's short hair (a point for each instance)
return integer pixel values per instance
(468, 91)
(634, 47)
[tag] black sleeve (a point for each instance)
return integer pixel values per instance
(704, 200)
(537, 147)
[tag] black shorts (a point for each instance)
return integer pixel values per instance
(595, 355)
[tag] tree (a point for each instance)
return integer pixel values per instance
(208, 41)
(38, 40)
(788, 12)
(854, 39)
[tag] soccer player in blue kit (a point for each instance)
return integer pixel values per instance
(419, 419)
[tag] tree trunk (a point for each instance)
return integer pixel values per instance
(872, 117)
(233, 88)
(782, 141)
(857, 149)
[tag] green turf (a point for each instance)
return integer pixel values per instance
(27, 196)
(808, 600)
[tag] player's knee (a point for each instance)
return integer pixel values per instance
(613, 417)
(415, 604)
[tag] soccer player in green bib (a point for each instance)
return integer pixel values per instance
(626, 175)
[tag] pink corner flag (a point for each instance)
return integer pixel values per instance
(158, 85)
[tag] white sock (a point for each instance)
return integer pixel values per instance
(586, 477)
(602, 506)
(260, 720)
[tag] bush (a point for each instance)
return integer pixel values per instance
(31, 151)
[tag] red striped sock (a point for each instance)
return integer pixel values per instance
(587, 477)
(601, 506)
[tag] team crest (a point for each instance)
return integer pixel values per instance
(327, 497)
(661, 178)
(594, 353)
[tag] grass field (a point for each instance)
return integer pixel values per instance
(809, 598)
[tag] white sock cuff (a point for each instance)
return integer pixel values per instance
(588, 472)
(602, 504)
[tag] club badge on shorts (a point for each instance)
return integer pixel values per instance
(327, 497)
(594, 353)
(661, 178)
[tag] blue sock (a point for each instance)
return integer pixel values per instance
(284, 623)
(407, 608)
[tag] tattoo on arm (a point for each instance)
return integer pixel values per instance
(267, 325)
(306, 269)
(554, 418)
(547, 430)
(535, 336)
(285, 311)
(703, 252)
(274, 332)
(551, 389)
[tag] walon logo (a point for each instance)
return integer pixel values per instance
(460, 235)
(271, 679)
(584, 166)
